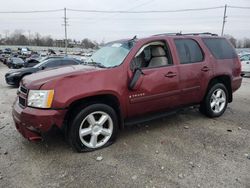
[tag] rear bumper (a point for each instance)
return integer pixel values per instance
(236, 83)
(31, 122)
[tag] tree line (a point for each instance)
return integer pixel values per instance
(239, 43)
(19, 38)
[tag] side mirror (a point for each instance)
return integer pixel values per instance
(134, 83)
(135, 64)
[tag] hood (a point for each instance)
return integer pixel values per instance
(18, 62)
(23, 70)
(35, 81)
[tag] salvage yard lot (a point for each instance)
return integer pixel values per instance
(182, 150)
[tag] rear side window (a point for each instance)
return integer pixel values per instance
(69, 62)
(53, 63)
(189, 51)
(220, 48)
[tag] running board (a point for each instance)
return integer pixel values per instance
(149, 117)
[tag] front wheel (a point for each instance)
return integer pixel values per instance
(215, 102)
(93, 127)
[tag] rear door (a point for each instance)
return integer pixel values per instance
(194, 70)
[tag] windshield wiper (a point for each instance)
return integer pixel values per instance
(96, 64)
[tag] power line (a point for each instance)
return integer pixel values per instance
(32, 11)
(132, 8)
(146, 11)
(238, 7)
(120, 11)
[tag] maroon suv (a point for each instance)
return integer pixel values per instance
(128, 81)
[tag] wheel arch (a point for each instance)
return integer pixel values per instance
(224, 79)
(108, 99)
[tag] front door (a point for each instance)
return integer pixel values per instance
(159, 85)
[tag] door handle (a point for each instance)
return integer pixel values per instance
(205, 69)
(170, 74)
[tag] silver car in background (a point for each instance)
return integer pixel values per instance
(245, 64)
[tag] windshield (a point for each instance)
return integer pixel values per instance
(17, 60)
(111, 55)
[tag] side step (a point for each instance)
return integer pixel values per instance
(149, 117)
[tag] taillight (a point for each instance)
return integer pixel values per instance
(237, 70)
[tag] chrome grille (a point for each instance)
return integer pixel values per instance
(23, 90)
(22, 96)
(22, 101)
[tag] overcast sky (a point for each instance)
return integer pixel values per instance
(100, 26)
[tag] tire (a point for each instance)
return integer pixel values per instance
(215, 102)
(96, 133)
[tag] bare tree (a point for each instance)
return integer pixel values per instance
(246, 43)
(18, 37)
(232, 40)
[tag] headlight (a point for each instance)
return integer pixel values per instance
(40, 98)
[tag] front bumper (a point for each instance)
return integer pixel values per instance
(12, 80)
(32, 122)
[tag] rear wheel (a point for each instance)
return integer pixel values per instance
(215, 102)
(93, 127)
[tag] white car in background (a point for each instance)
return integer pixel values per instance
(245, 64)
(26, 51)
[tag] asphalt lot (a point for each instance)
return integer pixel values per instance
(183, 150)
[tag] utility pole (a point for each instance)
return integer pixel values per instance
(65, 30)
(224, 20)
(29, 37)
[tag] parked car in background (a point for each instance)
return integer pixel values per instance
(2, 58)
(245, 63)
(15, 62)
(30, 62)
(33, 60)
(127, 82)
(25, 51)
(7, 51)
(14, 77)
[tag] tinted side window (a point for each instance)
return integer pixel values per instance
(53, 63)
(188, 50)
(69, 62)
(220, 48)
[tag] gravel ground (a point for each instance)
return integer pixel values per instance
(183, 150)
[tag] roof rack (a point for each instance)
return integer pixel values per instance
(167, 34)
(179, 34)
(205, 33)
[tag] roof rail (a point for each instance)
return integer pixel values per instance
(179, 34)
(205, 33)
(167, 34)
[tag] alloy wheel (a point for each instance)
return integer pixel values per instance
(96, 129)
(218, 100)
